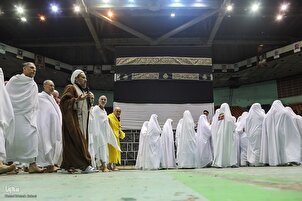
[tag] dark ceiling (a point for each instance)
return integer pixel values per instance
(90, 38)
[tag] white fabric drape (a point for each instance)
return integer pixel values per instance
(177, 136)
(167, 146)
(23, 92)
(100, 135)
(134, 114)
(152, 150)
(49, 123)
(142, 136)
(281, 140)
(243, 141)
(7, 119)
(253, 130)
(187, 143)
(204, 153)
(224, 144)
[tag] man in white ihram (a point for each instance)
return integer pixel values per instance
(50, 129)
(100, 135)
(7, 125)
(23, 92)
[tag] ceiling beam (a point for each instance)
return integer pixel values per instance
(218, 21)
(184, 26)
(92, 30)
(169, 41)
(121, 26)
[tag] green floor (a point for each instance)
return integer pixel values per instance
(265, 183)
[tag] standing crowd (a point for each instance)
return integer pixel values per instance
(42, 133)
(254, 139)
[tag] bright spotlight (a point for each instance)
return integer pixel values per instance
(229, 8)
(42, 18)
(54, 8)
(106, 1)
(76, 8)
(284, 7)
(172, 14)
(255, 7)
(110, 13)
(279, 17)
(19, 9)
(23, 19)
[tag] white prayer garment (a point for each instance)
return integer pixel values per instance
(204, 153)
(253, 129)
(23, 92)
(49, 123)
(7, 120)
(223, 134)
(152, 149)
(177, 135)
(142, 136)
(242, 137)
(100, 135)
(167, 146)
(281, 140)
(187, 143)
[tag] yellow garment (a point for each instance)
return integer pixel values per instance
(114, 154)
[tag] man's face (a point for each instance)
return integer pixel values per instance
(102, 101)
(29, 71)
(49, 87)
(81, 80)
(117, 112)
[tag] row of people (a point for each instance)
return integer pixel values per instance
(35, 130)
(255, 139)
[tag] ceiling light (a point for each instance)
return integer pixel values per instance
(172, 14)
(229, 8)
(110, 13)
(284, 7)
(106, 1)
(19, 9)
(255, 7)
(279, 17)
(76, 8)
(23, 19)
(54, 8)
(42, 18)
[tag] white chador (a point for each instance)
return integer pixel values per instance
(151, 151)
(23, 92)
(50, 131)
(281, 140)
(141, 146)
(187, 143)
(224, 143)
(100, 135)
(204, 153)
(7, 120)
(177, 135)
(253, 129)
(242, 139)
(167, 146)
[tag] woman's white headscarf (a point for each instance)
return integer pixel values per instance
(75, 74)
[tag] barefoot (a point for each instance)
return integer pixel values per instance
(7, 168)
(33, 168)
(105, 169)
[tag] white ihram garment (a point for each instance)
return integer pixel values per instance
(167, 146)
(142, 136)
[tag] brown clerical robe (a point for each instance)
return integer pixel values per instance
(75, 146)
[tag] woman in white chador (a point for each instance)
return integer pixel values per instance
(187, 143)
(167, 146)
(151, 150)
(141, 146)
(242, 139)
(281, 140)
(177, 135)
(253, 129)
(100, 135)
(223, 134)
(204, 153)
